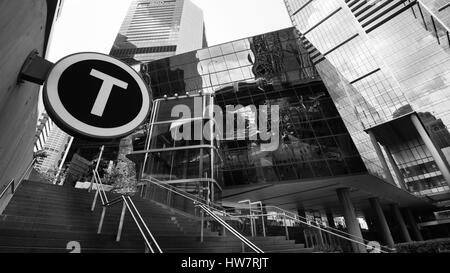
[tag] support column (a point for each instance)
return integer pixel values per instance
(380, 155)
(350, 219)
(433, 150)
(301, 212)
(413, 224)
(401, 223)
(397, 172)
(330, 219)
(381, 221)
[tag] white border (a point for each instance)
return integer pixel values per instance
(60, 112)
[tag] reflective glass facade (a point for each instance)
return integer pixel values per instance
(381, 60)
(191, 164)
(155, 29)
(273, 69)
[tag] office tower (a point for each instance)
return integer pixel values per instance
(151, 30)
(55, 148)
(157, 29)
(310, 163)
(44, 127)
(386, 65)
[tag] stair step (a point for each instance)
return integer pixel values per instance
(42, 218)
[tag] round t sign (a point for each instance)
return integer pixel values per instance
(95, 95)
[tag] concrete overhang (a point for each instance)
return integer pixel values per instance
(398, 130)
(320, 194)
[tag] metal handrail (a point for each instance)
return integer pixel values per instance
(296, 216)
(332, 233)
(232, 230)
(145, 226)
(286, 213)
(318, 225)
(5, 189)
(213, 206)
(100, 191)
(210, 211)
(127, 204)
(12, 184)
(311, 225)
(435, 17)
(289, 214)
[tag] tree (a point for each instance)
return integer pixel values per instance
(48, 176)
(124, 173)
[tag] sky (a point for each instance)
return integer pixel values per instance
(92, 25)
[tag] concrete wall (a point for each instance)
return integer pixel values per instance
(22, 29)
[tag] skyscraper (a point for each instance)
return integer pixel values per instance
(157, 29)
(309, 163)
(386, 65)
(151, 30)
(55, 147)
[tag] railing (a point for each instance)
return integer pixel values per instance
(319, 226)
(12, 185)
(315, 234)
(128, 204)
(210, 209)
(229, 228)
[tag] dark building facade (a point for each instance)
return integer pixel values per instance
(309, 155)
(271, 69)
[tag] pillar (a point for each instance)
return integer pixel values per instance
(330, 219)
(380, 155)
(397, 172)
(301, 212)
(413, 224)
(430, 145)
(350, 219)
(381, 222)
(401, 223)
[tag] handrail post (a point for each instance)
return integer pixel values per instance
(122, 217)
(305, 231)
(285, 226)
(100, 225)
(320, 236)
(95, 201)
(224, 234)
(202, 226)
(97, 165)
(252, 227)
(13, 186)
(243, 247)
(263, 223)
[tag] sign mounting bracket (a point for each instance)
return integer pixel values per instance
(35, 69)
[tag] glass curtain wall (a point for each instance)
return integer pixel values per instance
(178, 153)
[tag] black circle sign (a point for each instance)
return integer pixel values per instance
(96, 95)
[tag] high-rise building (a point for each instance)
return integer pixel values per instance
(386, 65)
(55, 148)
(155, 29)
(310, 161)
(151, 30)
(44, 127)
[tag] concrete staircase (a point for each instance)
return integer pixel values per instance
(45, 218)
